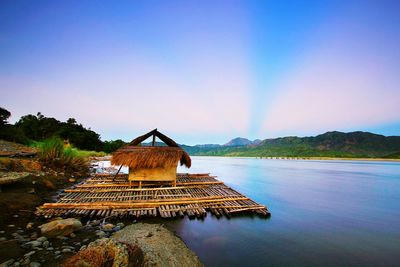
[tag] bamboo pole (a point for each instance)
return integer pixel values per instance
(150, 203)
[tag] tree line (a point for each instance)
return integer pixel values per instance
(39, 127)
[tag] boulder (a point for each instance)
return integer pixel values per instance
(12, 177)
(41, 239)
(62, 227)
(159, 246)
(29, 225)
(7, 263)
(108, 227)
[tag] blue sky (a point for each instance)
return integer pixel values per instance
(204, 71)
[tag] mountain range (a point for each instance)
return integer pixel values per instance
(331, 144)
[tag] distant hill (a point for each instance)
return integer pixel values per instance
(239, 141)
(208, 146)
(330, 144)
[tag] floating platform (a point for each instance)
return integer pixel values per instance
(193, 196)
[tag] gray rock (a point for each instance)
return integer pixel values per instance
(78, 244)
(66, 250)
(22, 240)
(34, 235)
(50, 248)
(19, 237)
(34, 264)
(29, 225)
(33, 244)
(62, 237)
(30, 253)
(94, 223)
(3, 239)
(7, 263)
(121, 225)
(68, 247)
(46, 244)
(16, 264)
(41, 239)
(83, 247)
(100, 233)
(85, 240)
(26, 261)
(57, 252)
(2, 232)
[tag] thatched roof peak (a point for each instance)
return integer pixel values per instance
(136, 156)
(155, 133)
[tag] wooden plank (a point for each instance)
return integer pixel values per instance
(116, 205)
(127, 189)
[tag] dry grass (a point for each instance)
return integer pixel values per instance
(150, 157)
(19, 165)
(93, 257)
(106, 254)
(159, 157)
(53, 154)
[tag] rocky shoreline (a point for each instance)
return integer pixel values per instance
(28, 240)
(65, 242)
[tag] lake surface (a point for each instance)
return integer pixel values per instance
(324, 213)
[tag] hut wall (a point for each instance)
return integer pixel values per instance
(153, 174)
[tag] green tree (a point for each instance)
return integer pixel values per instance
(4, 115)
(111, 146)
(71, 121)
(10, 132)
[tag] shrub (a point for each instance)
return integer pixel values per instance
(53, 154)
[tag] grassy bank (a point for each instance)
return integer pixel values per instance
(68, 149)
(56, 154)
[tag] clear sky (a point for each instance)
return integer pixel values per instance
(204, 71)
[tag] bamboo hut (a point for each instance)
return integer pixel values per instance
(151, 164)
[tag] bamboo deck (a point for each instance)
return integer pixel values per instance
(193, 196)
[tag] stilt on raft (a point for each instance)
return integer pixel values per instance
(152, 188)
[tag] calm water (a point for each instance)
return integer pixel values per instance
(324, 213)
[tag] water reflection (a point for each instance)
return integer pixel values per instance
(324, 213)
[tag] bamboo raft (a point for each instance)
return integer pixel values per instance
(194, 194)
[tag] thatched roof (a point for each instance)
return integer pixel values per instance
(136, 156)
